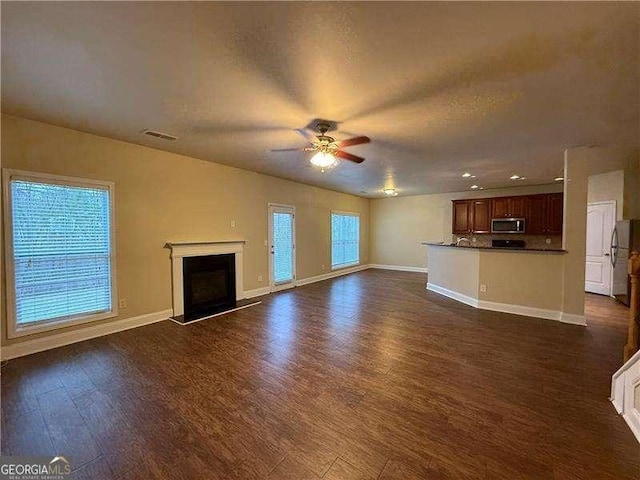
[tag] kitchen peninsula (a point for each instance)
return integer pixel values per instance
(513, 280)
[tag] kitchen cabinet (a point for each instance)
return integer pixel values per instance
(508, 207)
(542, 213)
(471, 216)
(555, 212)
(462, 220)
(481, 212)
(536, 217)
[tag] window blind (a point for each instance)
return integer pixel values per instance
(282, 247)
(61, 250)
(345, 239)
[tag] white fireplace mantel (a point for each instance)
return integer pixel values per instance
(179, 250)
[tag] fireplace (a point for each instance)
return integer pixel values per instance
(209, 285)
(206, 279)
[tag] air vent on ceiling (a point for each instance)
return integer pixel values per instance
(164, 136)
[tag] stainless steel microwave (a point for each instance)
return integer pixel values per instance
(507, 225)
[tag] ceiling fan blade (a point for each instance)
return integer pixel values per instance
(287, 150)
(309, 136)
(348, 156)
(353, 141)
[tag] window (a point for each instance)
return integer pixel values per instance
(60, 255)
(345, 239)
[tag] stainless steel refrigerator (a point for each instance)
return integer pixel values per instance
(624, 240)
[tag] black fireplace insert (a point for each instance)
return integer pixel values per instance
(209, 285)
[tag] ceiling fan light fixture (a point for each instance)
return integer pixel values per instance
(324, 160)
(391, 192)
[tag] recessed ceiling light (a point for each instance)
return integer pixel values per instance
(474, 187)
(559, 179)
(467, 175)
(514, 177)
(390, 192)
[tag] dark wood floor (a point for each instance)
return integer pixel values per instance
(367, 376)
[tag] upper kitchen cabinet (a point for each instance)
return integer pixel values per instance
(481, 212)
(462, 219)
(544, 214)
(471, 216)
(509, 207)
(536, 217)
(555, 213)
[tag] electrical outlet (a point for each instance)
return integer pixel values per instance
(122, 303)
(483, 288)
(474, 239)
(548, 241)
(259, 278)
(233, 224)
(323, 267)
(265, 243)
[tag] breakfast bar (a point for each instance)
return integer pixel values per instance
(521, 281)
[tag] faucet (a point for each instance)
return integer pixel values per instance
(463, 239)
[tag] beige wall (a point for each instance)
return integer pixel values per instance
(608, 186)
(161, 197)
(632, 191)
(526, 279)
(455, 269)
(522, 278)
(398, 225)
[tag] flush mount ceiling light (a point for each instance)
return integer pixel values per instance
(391, 192)
(559, 179)
(324, 160)
(514, 177)
(468, 175)
(474, 187)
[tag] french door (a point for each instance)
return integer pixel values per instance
(282, 249)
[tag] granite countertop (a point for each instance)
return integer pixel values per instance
(498, 249)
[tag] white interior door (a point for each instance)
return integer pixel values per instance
(282, 256)
(600, 222)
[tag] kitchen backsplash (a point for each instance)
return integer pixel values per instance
(532, 241)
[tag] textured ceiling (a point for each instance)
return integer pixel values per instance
(441, 88)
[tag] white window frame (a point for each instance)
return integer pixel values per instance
(13, 330)
(344, 265)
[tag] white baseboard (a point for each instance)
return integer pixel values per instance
(400, 268)
(333, 274)
(257, 292)
(65, 338)
(473, 302)
(520, 310)
(573, 319)
(510, 308)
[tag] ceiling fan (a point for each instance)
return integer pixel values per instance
(327, 148)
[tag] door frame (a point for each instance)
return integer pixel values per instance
(283, 208)
(614, 206)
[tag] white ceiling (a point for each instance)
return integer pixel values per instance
(441, 88)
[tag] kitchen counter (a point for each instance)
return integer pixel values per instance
(496, 249)
(520, 281)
